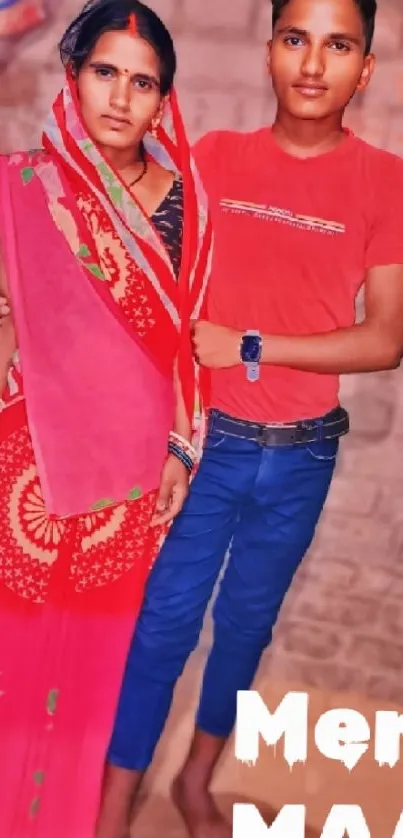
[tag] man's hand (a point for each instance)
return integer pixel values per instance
(174, 487)
(215, 346)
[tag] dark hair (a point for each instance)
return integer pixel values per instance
(367, 9)
(99, 16)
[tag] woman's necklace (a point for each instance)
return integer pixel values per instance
(141, 175)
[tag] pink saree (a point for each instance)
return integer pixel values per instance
(100, 320)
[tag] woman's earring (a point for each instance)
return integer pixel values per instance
(154, 128)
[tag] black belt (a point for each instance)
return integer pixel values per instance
(334, 424)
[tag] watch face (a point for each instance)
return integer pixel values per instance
(251, 349)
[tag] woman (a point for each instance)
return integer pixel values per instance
(100, 281)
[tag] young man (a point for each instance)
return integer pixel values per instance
(304, 214)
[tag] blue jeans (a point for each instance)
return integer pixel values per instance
(266, 503)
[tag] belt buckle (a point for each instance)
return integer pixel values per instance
(271, 436)
(304, 430)
(297, 433)
(266, 436)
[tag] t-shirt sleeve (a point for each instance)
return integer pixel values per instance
(204, 153)
(385, 240)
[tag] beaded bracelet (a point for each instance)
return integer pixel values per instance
(177, 451)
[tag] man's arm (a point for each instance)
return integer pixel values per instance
(373, 345)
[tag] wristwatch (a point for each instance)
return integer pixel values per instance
(251, 353)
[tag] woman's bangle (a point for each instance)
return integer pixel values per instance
(180, 454)
(184, 444)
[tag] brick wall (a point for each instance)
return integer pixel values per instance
(342, 625)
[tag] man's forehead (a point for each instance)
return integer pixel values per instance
(327, 15)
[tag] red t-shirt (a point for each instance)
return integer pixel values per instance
(293, 240)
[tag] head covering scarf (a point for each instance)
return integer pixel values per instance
(99, 392)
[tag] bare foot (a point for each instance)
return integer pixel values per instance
(198, 809)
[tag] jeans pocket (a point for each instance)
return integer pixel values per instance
(325, 449)
(213, 440)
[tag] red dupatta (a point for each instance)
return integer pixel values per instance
(99, 429)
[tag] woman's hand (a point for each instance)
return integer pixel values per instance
(174, 487)
(4, 309)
